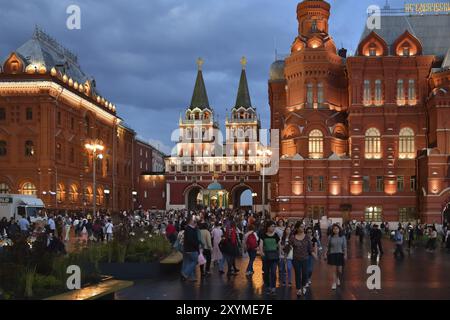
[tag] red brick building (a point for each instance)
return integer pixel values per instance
(49, 110)
(367, 136)
(148, 173)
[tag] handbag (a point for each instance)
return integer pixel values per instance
(201, 258)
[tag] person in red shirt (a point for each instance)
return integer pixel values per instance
(171, 232)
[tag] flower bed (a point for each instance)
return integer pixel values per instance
(33, 273)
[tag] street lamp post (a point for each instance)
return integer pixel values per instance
(94, 147)
(254, 195)
(264, 153)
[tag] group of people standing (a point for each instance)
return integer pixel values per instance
(286, 250)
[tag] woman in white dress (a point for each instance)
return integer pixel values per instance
(217, 235)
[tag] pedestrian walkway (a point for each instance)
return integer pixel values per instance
(421, 275)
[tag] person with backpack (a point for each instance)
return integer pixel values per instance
(251, 246)
(269, 248)
(230, 248)
(399, 243)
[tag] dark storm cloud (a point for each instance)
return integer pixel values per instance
(142, 53)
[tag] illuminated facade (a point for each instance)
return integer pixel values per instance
(49, 110)
(366, 136)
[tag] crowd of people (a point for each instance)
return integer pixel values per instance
(287, 249)
(217, 238)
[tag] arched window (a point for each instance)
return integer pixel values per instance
(73, 193)
(99, 196)
(400, 93)
(373, 144)
(60, 193)
(316, 144)
(28, 189)
(4, 188)
(29, 148)
(407, 144)
(3, 148)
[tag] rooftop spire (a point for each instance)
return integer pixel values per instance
(200, 97)
(243, 95)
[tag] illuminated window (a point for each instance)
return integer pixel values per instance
(29, 148)
(60, 193)
(400, 93)
(4, 188)
(373, 50)
(316, 144)
(373, 214)
(406, 144)
(373, 144)
(320, 96)
(367, 99)
(406, 52)
(378, 92)
(73, 193)
(3, 148)
(412, 92)
(28, 189)
(309, 95)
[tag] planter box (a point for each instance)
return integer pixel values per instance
(131, 271)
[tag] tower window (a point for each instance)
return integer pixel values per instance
(400, 93)
(309, 95)
(316, 144)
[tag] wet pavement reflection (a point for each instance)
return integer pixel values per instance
(421, 275)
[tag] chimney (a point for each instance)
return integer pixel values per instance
(342, 53)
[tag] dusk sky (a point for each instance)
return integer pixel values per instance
(143, 53)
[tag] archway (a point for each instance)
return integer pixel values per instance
(242, 196)
(193, 198)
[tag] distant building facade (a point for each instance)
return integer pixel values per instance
(49, 110)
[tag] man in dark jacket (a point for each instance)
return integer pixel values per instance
(375, 240)
(191, 245)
